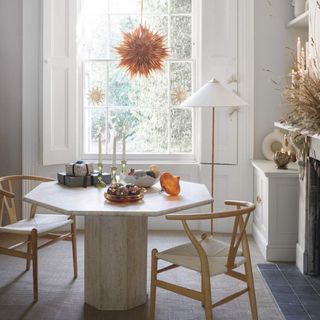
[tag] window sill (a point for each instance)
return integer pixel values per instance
(149, 161)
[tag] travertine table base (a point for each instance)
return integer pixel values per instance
(115, 262)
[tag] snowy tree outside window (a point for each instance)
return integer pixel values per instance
(148, 108)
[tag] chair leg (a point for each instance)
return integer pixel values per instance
(74, 247)
(29, 251)
(206, 289)
(251, 292)
(34, 247)
(154, 269)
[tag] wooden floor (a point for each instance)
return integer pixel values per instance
(61, 297)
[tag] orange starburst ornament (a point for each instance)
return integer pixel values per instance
(142, 51)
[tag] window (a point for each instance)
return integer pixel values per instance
(148, 108)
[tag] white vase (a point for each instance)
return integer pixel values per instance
(299, 7)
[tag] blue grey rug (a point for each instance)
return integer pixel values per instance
(297, 295)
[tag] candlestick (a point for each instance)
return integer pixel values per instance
(114, 155)
(124, 144)
(113, 175)
(123, 167)
(100, 184)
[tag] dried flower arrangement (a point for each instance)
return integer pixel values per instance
(303, 96)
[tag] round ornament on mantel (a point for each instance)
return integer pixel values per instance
(272, 143)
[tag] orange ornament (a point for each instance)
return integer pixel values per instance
(170, 183)
(142, 51)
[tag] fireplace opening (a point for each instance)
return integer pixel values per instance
(313, 218)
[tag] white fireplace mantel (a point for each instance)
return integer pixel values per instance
(295, 129)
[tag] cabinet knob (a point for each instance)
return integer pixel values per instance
(259, 200)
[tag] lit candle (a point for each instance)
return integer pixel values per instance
(114, 155)
(307, 56)
(303, 59)
(299, 52)
(99, 149)
(292, 77)
(124, 143)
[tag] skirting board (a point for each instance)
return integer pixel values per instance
(300, 253)
(273, 252)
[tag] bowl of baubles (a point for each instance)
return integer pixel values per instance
(119, 192)
(143, 178)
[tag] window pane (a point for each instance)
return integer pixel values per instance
(181, 6)
(146, 107)
(181, 130)
(181, 37)
(155, 6)
(121, 88)
(146, 129)
(139, 91)
(124, 6)
(180, 82)
(158, 24)
(94, 36)
(94, 122)
(95, 79)
(118, 25)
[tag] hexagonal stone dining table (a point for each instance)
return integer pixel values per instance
(116, 236)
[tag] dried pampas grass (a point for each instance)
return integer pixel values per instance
(303, 95)
(142, 51)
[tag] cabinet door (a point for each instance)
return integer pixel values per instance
(258, 190)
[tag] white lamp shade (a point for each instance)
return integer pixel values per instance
(213, 94)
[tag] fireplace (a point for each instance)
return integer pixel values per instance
(312, 254)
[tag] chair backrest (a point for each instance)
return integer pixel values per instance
(239, 236)
(7, 194)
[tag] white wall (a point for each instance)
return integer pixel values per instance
(10, 87)
(273, 43)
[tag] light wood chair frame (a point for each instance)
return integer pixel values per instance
(7, 202)
(241, 217)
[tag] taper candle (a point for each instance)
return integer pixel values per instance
(114, 155)
(299, 52)
(292, 77)
(307, 56)
(303, 59)
(99, 149)
(124, 143)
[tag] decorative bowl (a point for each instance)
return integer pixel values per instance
(144, 181)
(122, 199)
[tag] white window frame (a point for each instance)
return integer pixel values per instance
(196, 119)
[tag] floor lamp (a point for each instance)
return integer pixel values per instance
(213, 95)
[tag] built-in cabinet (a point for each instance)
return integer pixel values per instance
(275, 221)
